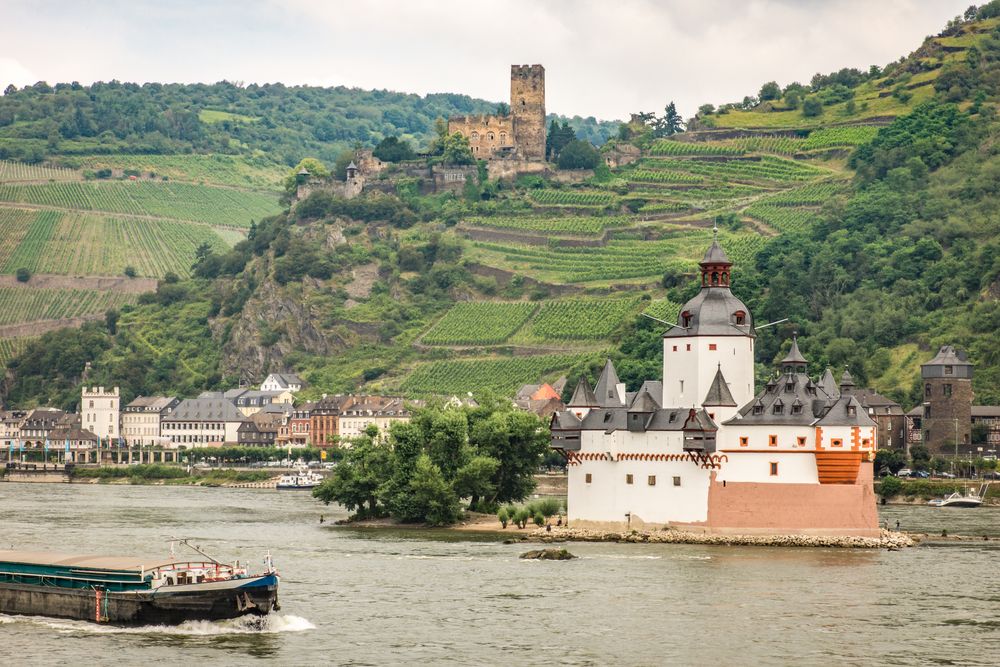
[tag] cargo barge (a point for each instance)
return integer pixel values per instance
(133, 591)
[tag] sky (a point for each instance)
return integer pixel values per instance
(603, 58)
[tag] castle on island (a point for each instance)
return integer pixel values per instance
(702, 449)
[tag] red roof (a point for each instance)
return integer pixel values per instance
(545, 392)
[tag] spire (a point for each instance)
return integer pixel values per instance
(583, 396)
(607, 388)
(794, 362)
(715, 266)
(718, 392)
(846, 382)
(828, 383)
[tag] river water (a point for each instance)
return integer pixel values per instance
(377, 597)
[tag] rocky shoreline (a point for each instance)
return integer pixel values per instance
(886, 540)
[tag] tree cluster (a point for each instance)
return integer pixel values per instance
(426, 468)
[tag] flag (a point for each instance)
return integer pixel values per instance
(20, 446)
(46, 444)
(67, 445)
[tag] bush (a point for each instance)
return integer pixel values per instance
(539, 519)
(549, 506)
(130, 271)
(503, 517)
(23, 275)
(812, 107)
(521, 517)
(889, 487)
(579, 155)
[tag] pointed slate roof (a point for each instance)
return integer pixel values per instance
(718, 392)
(583, 396)
(846, 382)
(644, 402)
(715, 254)
(828, 384)
(607, 387)
(794, 356)
(847, 411)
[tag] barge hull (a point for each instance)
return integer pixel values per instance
(257, 597)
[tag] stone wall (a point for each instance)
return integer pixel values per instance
(487, 135)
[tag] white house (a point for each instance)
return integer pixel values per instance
(282, 382)
(701, 450)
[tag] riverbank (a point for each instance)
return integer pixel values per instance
(483, 523)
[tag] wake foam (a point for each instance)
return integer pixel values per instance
(245, 625)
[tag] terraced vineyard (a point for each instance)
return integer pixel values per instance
(662, 174)
(570, 224)
(619, 260)
(814, 194)
(582, 319)
(210, 169)
(835, 137)
(183, 201)
(87, 244)
(479, 323)
(766, 168)
(668, 147)
(663, 309)
(13, 172)
(572, 197)
(10, 347)
(499, 375)
(785, 219)
(57, 304)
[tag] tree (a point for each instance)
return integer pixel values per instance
(812, 107)
(557, 137)
(503, 109)
(391, 149)
(23, 275)
(356, 481)
(921, 456)
(770, 91)
(111, 321)
(889, 487)
(457, 150)
(706, 110)
(889, 460)
(474, 480)
(670, 124)
(518, 441)
(344, 158)
(980, 433)
(432, 496)
(130, 271)
(578, 155)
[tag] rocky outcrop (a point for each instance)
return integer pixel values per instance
(547, 554)
(887, 540)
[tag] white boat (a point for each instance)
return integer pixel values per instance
(302, 479)
(971, 498)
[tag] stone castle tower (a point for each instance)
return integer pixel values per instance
(947, 416)
(527, 106)
(519, 134)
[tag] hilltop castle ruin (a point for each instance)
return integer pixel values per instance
(520, 133)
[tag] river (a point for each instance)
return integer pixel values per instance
(377, 597)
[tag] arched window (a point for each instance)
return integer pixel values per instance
(715, 277)
(725, 277)
(503, 137)
(927, 390)
(739, 318)
(475, 136)
(490, 136)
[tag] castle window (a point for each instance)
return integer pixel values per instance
(740, 317)
(949, 370)
(588, 478)
(772, 441)
(852, 411)
(677, 481)
(522, 103)
(688, 347)
(744, 441)
(947, 390)
(490, 136)
(711, 346)
(651, 480)
(628, 479)
(796, 409)
(774, 468)
(758, 409)
(865, 442)
(675, 348)
(778, 408)
(503, 137)
(801, 440)
(475, 136)
(715, 277)
(927, 390)
(686, 319)
(836, 442)
(927, 412)
(789, 386)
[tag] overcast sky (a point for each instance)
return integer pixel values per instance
(603, 58)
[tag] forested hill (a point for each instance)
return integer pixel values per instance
(286, 123)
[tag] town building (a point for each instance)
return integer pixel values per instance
(701, 449)
(38, 423)
(260, 430)
(888, 414)
(99, 411)
(282, 382)
(141, 420)
(324, 420)
(364, 411)
(297, 432)
(203, 422)
(74, 444)
(10, 426)
(946, 421)
(250, 401)
(540, 399)
(518, 133)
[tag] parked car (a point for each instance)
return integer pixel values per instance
(905, 472)
(922, 474)
(948, 475)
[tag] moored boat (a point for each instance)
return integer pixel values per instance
(133, 591)
(303, 479)
(970, 499)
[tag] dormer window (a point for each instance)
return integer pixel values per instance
(797, 409)
(852, 411)
(789, 386)
(739, 318)
(758, 409)
(686, 319)
(778, 408)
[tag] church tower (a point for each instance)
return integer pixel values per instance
(527, 106)
(713, 342)
(947, 408)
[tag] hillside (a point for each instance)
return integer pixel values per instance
(871, 226)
